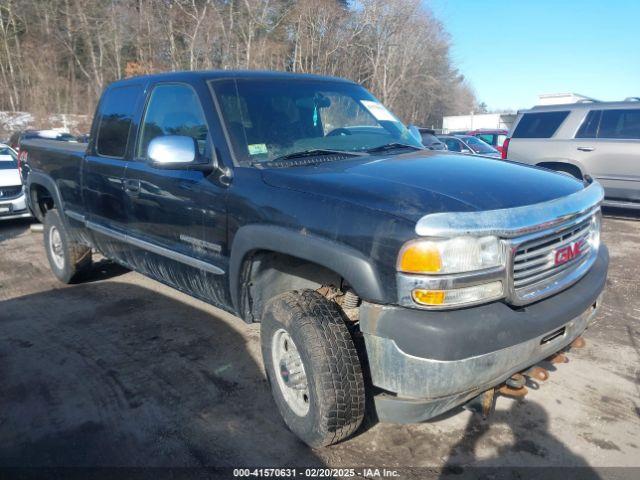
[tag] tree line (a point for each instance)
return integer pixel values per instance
(56, 56)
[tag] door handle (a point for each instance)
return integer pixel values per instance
(132, 187)
(586, 149)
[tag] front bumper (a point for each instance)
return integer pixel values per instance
(14, 208)
(420, 361)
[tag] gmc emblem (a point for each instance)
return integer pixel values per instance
(564, 254)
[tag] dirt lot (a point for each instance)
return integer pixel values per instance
(123, 371)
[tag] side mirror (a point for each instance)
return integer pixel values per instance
(413, 130)
(172, 151)
(465, 150)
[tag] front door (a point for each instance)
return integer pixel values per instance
(167, 206)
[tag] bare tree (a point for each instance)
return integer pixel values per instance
(58, 55)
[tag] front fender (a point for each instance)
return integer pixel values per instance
(345, 261)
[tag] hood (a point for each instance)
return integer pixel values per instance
(9, 177)
(415, 184)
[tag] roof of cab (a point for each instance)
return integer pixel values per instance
(229, 74)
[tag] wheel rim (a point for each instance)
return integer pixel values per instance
(289, 372)
(55, 247)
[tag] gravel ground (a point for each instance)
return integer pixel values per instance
(122, 371)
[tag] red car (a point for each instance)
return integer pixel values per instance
(494, 137)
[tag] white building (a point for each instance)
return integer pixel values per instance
(459, 123)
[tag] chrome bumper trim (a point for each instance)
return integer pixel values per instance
(423, 378)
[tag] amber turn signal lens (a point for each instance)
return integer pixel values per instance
(429, 297)
(420, 257)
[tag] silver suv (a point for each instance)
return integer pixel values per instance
(600, 139)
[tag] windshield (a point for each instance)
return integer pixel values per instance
(428, 139)
(8, 158)
(268, 119)
(478, 146)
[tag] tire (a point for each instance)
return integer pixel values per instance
(67, 258)
(335, 393)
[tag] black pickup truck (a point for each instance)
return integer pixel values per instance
(301, 202)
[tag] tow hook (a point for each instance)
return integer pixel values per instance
(538, 373)
(514, 386)
(579, 342)
(483, 404)
(558, 358)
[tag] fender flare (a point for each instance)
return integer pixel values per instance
(565, 161)
(345, 261)
(38, 178)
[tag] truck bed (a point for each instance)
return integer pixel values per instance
(61, 161)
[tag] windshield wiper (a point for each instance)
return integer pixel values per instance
(316, 152)
(391, 146)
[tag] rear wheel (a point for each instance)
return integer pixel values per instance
(313, 367)
(67, 258)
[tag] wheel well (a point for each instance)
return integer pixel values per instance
(562, 167)
(266, 274)
(41, 200)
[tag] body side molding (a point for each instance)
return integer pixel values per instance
(143, 244)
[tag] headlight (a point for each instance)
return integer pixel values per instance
(455, 255)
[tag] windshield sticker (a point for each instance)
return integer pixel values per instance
(378, 111)
(257, 149)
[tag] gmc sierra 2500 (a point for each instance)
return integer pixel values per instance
(302, 203)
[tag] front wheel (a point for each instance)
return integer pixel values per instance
(67, 258)
(313, 367)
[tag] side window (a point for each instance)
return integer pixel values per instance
(453, 145)
(173, 110)
(620, 124)
(486, 137)
(116, 110)
(539, 125)
(589, 128)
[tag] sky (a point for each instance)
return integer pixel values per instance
(511, 51)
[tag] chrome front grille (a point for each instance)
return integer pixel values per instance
(539, 261)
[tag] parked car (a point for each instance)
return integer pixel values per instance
(468, 144)
(351, 245)
(12, 199)
(430, 140)
(17, 137)
(597, 139)
(493, 137)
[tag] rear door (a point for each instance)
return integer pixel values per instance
(534, 138)
(608, 145)
(104, 167)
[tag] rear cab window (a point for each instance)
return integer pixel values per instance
(539, 124)
(115, 116)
